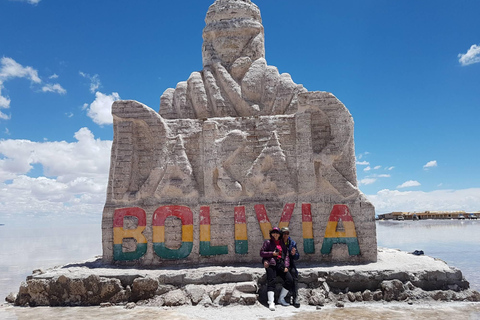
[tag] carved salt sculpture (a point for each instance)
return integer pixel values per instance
(235, 149)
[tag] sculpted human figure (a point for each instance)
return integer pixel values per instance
(235, 146)
(237, 82)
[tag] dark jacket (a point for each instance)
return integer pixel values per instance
(267, 250)
(290, 245)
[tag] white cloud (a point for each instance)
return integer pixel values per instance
(367, 181)
(363, 163)
(4, 101)
(430, 164)
(11, 69)
(367, 169)
(472, 56)
(53, 76)
(35, 2)
(409, 183)
(100, 110)
(360, 156)
(54, 88)
(94, 81)
(389, 168)
(441, 200)
(4, 104)
(74, 180)
(372, 179)
(377, 167)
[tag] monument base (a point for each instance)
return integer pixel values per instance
(396, 276)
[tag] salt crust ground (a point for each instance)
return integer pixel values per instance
(371, 310)
(388, 259)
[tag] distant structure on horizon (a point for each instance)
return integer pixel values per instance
(429, 215)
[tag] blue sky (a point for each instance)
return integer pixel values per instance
(408, 71)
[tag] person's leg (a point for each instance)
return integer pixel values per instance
(287, 279)
(271, 277)
(294, 291)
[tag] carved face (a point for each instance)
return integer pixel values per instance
(233, 29)
(234, 40)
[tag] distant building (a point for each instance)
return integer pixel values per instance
(428, 215)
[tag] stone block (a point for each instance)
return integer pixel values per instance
(176, 297)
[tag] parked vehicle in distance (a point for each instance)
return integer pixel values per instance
(461, 217)
(401, 218)
(472, 216)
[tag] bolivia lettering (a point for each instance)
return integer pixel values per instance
(340, 230)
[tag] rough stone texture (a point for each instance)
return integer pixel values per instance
(144, 288)
(195, 293)
(351, 296)
(367, 295)
(176, 297)
(235, 134)
(247, 287)
(62, 290)
(94, 283)
(316, 298)
(11, 297)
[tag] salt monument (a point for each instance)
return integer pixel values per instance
(235, 149)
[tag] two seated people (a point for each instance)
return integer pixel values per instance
(279, 254)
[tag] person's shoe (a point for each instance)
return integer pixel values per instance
(271, 299)
(281, 299)
(271, 306)
(295, 301)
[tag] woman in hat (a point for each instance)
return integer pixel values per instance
(276, 261)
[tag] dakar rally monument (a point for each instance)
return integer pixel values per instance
(234, 150)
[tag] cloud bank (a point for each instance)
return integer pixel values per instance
(441, 200)
(72, 183)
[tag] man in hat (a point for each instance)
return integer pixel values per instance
(291, 246)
